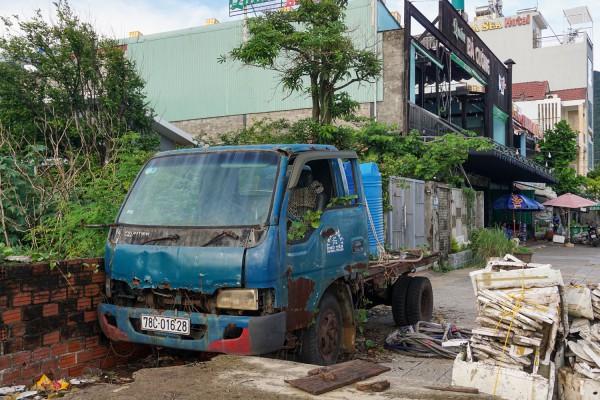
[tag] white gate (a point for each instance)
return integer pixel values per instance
(406, 220)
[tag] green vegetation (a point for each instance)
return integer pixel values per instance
(487, 243)
(75, 129)
(523, 250)
(557, 150)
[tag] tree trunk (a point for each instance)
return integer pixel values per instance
(314, 92)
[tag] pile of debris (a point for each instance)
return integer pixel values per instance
(518, 310)
(584, 336)
(511, 351)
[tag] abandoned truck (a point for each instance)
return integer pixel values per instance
(248, 250)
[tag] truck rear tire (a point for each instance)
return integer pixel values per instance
(321, 342)
(399, 298)
(419, 300)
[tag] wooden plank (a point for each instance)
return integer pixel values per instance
(458, 389)
(325, 379)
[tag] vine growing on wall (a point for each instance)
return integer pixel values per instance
(470, 195)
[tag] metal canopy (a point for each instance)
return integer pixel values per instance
(578, 15)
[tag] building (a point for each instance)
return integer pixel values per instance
(564, 62)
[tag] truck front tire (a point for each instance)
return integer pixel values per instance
(321, 342)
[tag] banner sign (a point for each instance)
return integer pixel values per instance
(238, 7)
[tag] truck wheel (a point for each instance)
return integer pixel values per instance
(399, 297)
(419, 300)
(321, 342)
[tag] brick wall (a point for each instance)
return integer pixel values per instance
(48, 322)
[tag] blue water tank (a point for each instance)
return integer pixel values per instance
(371, 179)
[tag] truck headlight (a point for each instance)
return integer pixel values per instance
(238, 299)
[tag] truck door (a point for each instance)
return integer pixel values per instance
(335, 245)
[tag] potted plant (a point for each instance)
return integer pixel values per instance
(523, 253)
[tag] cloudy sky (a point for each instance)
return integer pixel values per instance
(118, 17)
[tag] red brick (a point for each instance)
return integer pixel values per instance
(109, 362)
(59, 349)
(12, 316)
(3, 301)
(5, 362)
(92, 290)
(49, 365)
(52, 337)
(30, 371)
(21, 299)
(75, 345)
(67, 361)
(99, 352)
(50, 310)
(18, 330)
(84, 356)
(89, 316)
(59, 294)
(14, 345)
(84, 303)
(21, 358)
(41, 297)
(99, 277)
(10, 377)
(97, 300)
(40, 354)
(92, 341)
(76, 370)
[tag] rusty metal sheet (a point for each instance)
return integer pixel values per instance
(326, 379)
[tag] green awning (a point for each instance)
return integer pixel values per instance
(499, 114)
(426, 54)
(469, 70)
(595, 208)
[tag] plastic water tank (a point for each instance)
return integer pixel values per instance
(371, 179)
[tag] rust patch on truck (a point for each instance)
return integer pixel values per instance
(327, 233)
(299, 291)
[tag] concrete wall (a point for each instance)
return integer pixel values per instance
(390, 109)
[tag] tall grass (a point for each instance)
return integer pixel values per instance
(487, 243)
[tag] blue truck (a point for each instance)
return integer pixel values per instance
(249, 250)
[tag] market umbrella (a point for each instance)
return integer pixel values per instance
(569, 200)
(516, 202)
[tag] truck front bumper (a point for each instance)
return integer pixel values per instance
(257, 335)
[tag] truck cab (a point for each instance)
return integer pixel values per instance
(239, 250)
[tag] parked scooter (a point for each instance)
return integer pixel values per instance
(593, 235)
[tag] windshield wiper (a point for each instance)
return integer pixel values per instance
(174, 237)
(219, 236)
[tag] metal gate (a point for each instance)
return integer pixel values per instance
(406, 221)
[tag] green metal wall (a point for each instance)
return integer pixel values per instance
(185, 80)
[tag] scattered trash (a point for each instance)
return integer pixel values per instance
(11, 389)
(428, 339)
(27, 394)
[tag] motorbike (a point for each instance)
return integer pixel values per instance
(593, 235)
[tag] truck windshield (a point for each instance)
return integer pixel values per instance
(203, 190)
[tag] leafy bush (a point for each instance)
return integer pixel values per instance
(523, 250)
(487, 243)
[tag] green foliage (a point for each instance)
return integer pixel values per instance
(523, 250)
(557, 151)
(310, 41)
(470, 195)
(298, 229)
(592, 183)
(69, 100)
(454, 247)
(342, 201)
(487, 243)
(97, 201)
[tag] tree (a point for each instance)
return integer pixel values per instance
(592, 184)
(311, 41)
(70, 101)
(558, 150)
(63, 82)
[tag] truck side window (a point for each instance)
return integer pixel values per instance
(314, 189)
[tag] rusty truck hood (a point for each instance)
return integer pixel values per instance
(202, 269)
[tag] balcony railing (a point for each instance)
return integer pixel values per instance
(429, 124)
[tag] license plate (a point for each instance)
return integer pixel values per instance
(181, 326)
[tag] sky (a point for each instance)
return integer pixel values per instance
(116, 18)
